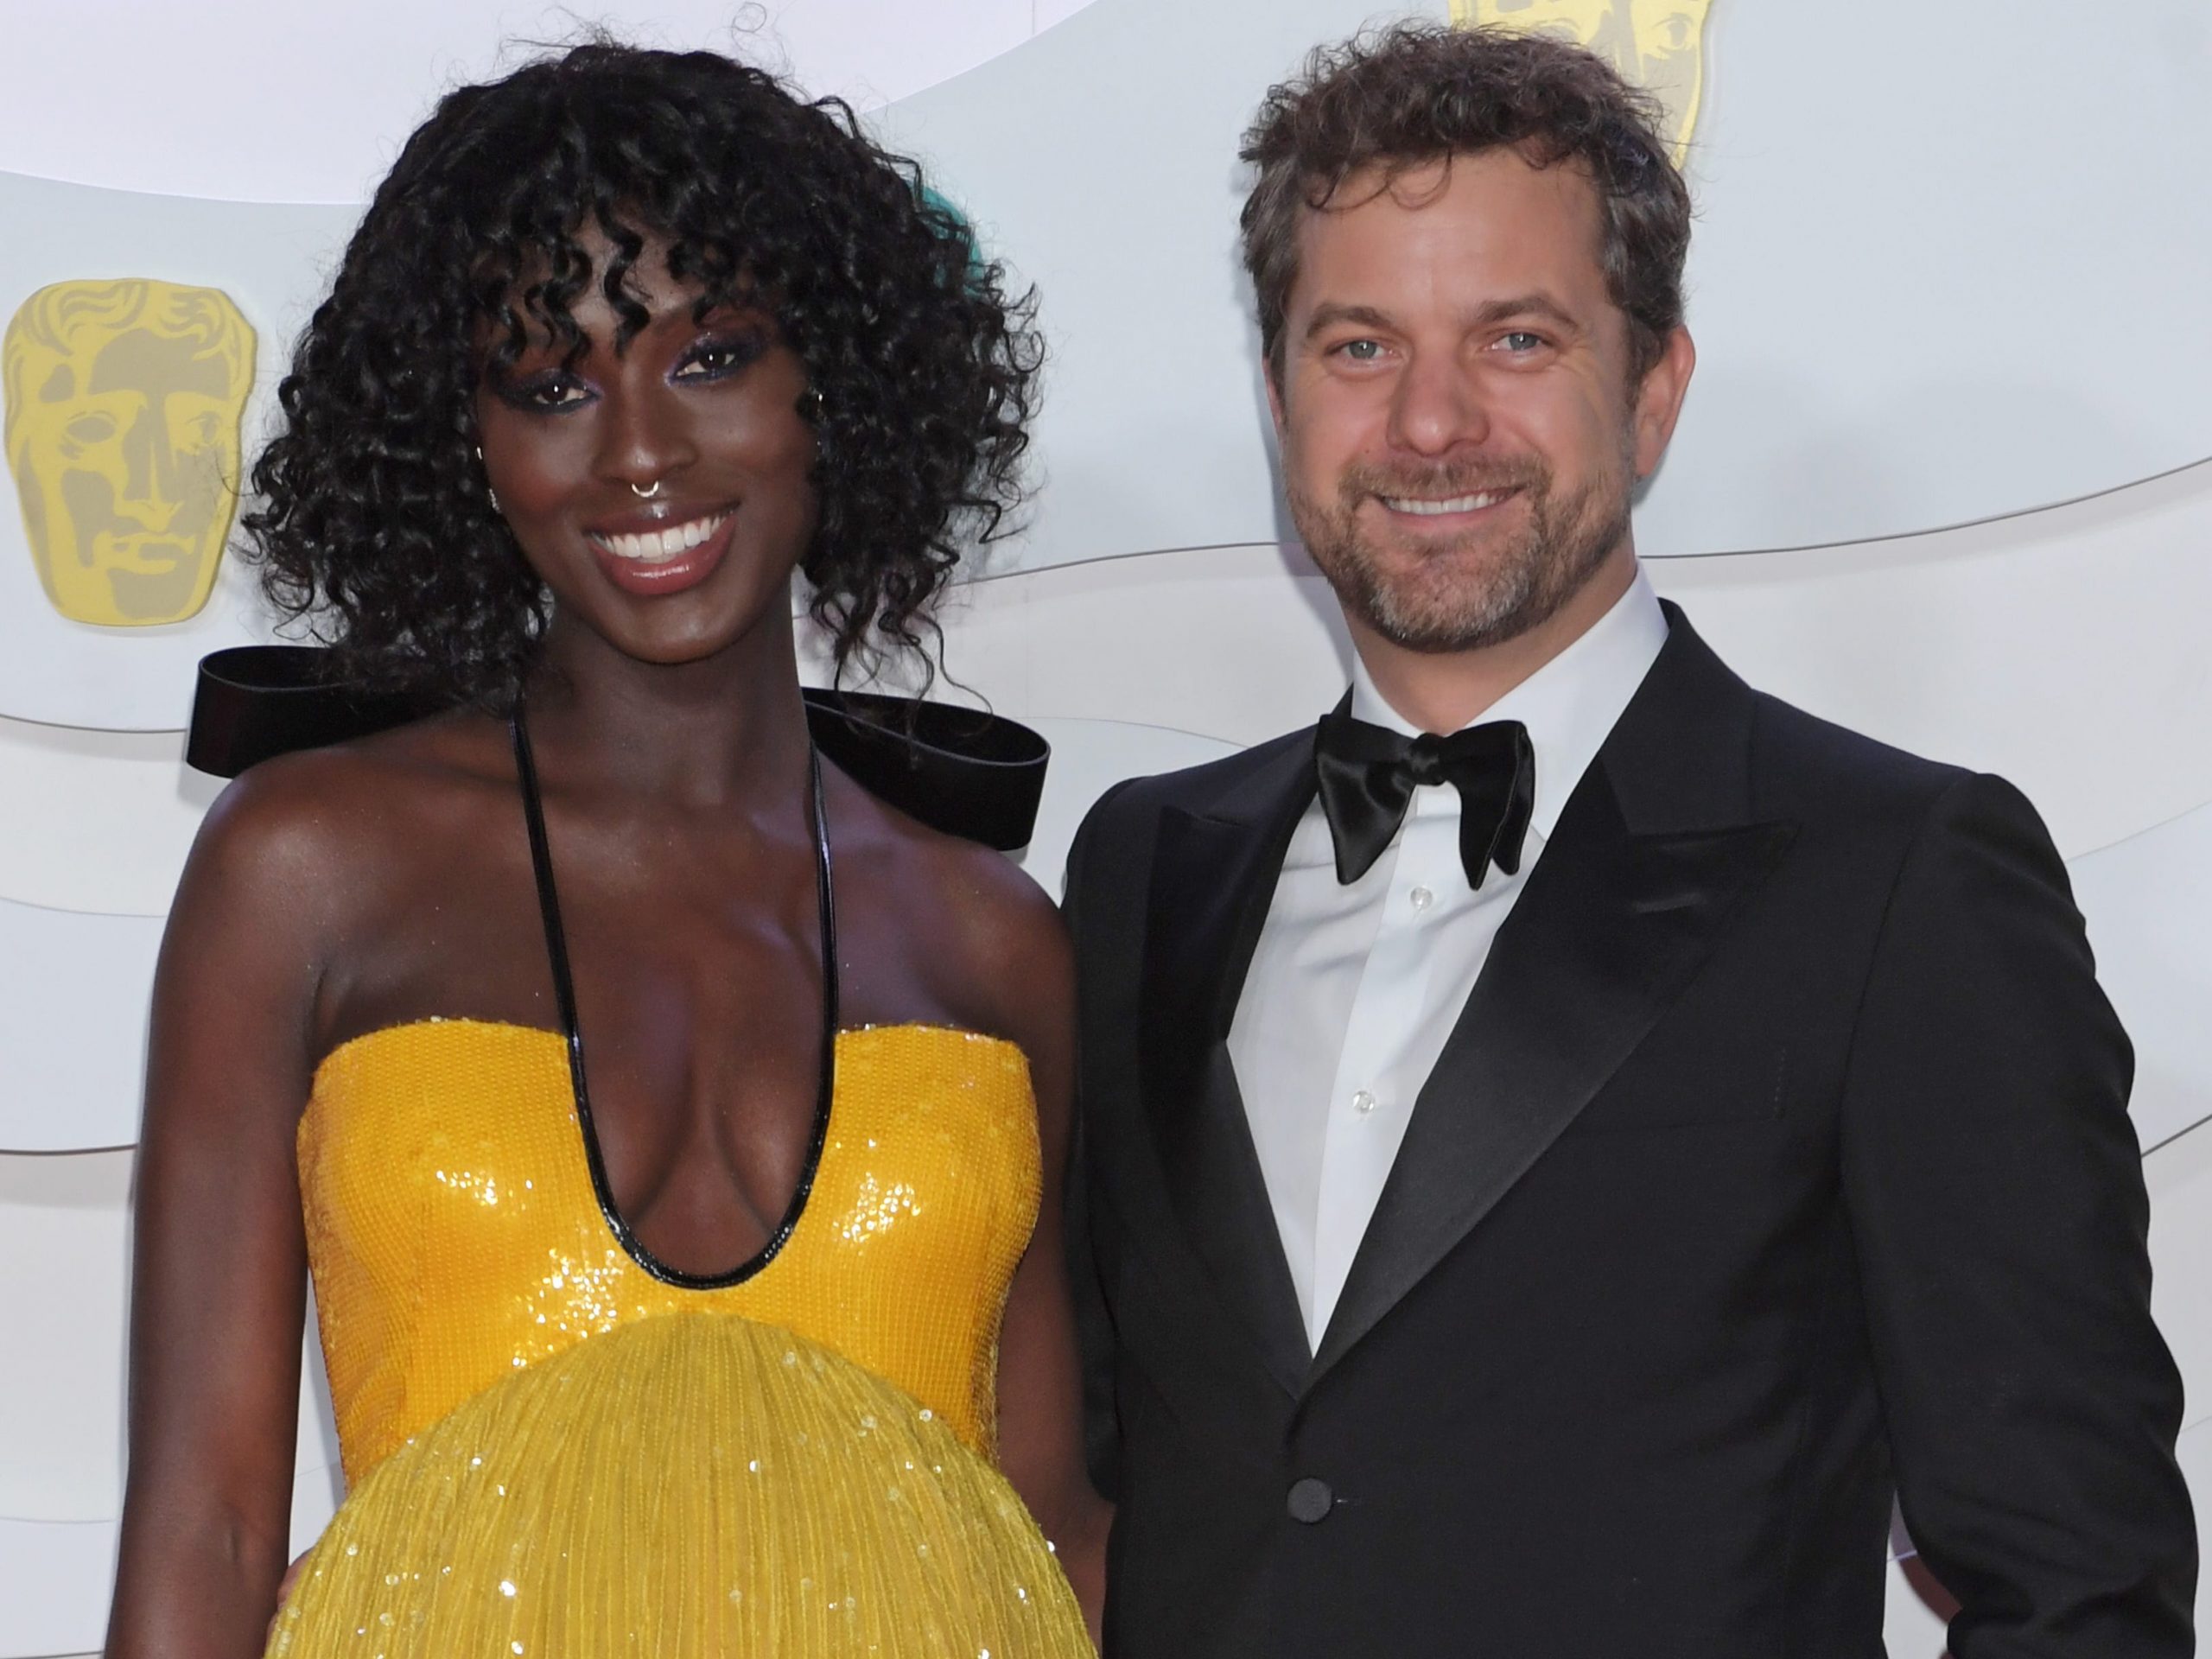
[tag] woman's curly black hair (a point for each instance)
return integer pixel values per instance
(375, 520)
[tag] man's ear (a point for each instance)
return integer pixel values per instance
(1268, 374)
(1659, 399)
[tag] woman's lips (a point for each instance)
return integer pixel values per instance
(666, 560)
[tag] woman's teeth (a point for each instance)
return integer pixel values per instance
(1453, 504)
(659, 546)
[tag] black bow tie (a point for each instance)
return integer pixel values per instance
(1368, 776)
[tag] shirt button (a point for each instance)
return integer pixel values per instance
(1310, 1500)
(1423, 898)
(1362, 1103)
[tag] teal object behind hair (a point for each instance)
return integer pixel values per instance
(937, 200)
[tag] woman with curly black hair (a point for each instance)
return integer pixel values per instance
(740, 1328)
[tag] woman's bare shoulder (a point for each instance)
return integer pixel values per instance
(327, 822)
(995, 934)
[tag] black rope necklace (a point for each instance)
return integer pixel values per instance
(564, 994)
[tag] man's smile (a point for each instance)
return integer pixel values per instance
(1420, 507)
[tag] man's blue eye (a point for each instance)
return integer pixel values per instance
(1522, 340)
(1363, 350)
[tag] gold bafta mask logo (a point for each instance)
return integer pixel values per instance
(1658, 45)
(124, 401)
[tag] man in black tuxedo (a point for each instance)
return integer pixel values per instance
(1546, 1187)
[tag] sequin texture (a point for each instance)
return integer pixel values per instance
(551, 1448)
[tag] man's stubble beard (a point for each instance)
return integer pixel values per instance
(1441, 606)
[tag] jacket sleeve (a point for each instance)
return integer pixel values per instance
(1094, 1318)
(1995, 1190)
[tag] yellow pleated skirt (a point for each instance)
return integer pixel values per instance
(697, 1484)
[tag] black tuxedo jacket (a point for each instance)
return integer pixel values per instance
(1778, 1162)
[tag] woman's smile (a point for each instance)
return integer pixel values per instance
(668, 555)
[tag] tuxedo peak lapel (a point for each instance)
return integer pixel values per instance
(1213, 878)
(1679, 756)
(1611, 928)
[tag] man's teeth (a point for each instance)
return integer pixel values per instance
(659, 546)
(1454, 504)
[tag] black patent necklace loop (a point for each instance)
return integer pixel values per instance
(564, 995)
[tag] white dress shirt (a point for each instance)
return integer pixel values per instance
(1352, 991)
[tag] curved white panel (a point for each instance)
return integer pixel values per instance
(1890, 278)
(1920, 300)
(2064, 649)
(54, 1580)
(2179, 1177)
(96, 821)
(1238, 643)
(74, 995)
(2149, 906)
(64, 1230)
(56, 1576)
(1088, 757)
(65, 1233)
(187, 105)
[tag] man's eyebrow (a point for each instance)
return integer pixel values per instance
(1524, 305)
(1329, 313)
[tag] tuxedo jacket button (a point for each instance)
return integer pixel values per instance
(1310, 1500)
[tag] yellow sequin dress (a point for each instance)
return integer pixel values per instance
(553, 1451)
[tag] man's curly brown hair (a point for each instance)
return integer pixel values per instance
(375, 520)
(1401, 97)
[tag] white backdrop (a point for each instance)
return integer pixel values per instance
(1946, 475)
